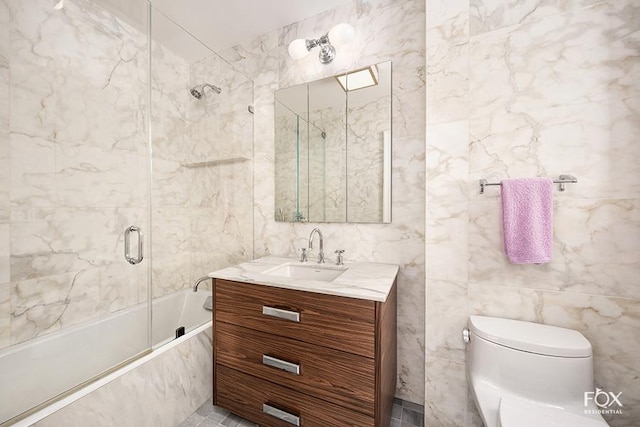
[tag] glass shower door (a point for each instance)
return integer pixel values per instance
(74, 175)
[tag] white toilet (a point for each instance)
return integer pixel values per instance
(526, 374)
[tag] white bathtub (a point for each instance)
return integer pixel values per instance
(41, 369)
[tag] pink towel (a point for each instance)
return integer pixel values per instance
(527, 218)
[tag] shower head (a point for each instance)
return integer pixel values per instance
(198, 91)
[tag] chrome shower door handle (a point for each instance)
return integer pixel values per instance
(127, 245)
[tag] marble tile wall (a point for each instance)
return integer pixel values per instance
(385, 30)
(162, 392)
(202, 169)
(533, 88)
(74, 158)
(72, 143)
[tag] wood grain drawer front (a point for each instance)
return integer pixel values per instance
(346, 324)
(247, 396)
(342, 378)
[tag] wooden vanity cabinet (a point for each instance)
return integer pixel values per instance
(285, 357)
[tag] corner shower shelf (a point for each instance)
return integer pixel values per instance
(215, 162)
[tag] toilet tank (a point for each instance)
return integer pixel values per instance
(534, 361)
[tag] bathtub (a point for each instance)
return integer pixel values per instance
(42, 368)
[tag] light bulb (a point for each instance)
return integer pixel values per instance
(341, 34)
(298, 49)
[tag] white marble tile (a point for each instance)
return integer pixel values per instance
(5, 252)
(488, 15)
(515, 62)
(62, 82)
(53, 241)
(447, 316)
(44, 305)
(5, 177)
(409, 78)
(447, 22)
(407, 171)
(164, 391)
(89, 176)
(488, 263)
(5, 315)
(593, 141)
(592, 253)
(32, 171)
(171, 273)
(445, 393)
(171, 183)
(447, 247)
(599, 240)
(501, 301)
(5, 159)
(447, 83)
(610, 324)
(171, 230)
(448, 161)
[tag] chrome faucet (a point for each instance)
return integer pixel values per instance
(200, 280)
(321, 249)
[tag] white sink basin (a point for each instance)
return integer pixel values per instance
(323, 273)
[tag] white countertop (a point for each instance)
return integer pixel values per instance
(362, 280)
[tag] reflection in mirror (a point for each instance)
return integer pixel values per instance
(333, 148)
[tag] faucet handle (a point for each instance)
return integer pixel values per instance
(339, 258)
(303, 254)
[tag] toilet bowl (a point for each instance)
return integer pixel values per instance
(525, 374)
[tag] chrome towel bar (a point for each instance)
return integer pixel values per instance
(561, 181)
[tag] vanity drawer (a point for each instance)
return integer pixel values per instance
(342, 378)
(346, 324)
(256, 400)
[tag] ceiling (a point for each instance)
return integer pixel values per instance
(220, 24)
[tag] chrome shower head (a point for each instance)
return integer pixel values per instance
(198, 91)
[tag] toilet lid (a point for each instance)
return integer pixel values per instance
(531, 337)
(514, 412)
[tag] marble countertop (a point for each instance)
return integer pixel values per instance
(362, 280)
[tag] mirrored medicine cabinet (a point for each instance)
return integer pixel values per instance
(333, 148)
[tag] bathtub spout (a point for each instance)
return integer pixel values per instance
(200, 280)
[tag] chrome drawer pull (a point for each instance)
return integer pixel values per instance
(294, 316)
(280, 414)
(281, 364)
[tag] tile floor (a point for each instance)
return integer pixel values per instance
(405, 414)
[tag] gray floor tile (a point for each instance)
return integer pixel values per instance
(412, 417)
(193, 420)
(231, 421)
(208, 422)
(218, 414)
(205, 409)
(404, 414)
(413, 406)
(396, 412)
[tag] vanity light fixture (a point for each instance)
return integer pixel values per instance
(339, 35)
(359, 79)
